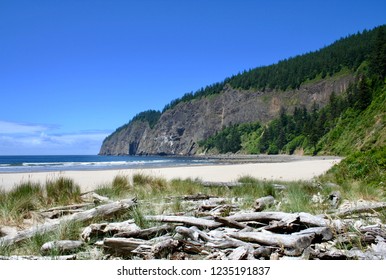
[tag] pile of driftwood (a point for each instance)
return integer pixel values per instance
(215, 229)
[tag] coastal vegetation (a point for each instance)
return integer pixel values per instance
(28, 204)
(350, 125)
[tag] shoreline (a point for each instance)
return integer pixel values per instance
(230, 169)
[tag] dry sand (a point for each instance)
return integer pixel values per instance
(88, 180)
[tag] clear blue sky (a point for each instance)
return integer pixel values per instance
(73, 71)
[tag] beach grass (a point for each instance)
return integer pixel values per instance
(62, 191)
(16, 205)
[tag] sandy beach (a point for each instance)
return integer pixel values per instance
(88, 180)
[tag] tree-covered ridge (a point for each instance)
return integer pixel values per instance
(346, 53)
(149, 116)
(311, 131)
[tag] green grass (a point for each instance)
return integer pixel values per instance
(17, 204)
(62, 191)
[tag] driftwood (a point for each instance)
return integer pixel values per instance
(217, 235)
(222, 184)
(42, 258)
(62, 246)
(241, 253)
(263, 203)
(298, 242)
(191, 221)
(230, 222)
(302, 217)
(122, 246)
(164, 248)
(372, 207)
(197, 197)
(148, 233)
(100, 230)
(100, 211)
(67, 207)
(56, 212)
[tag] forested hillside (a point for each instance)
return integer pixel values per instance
(345, 54)
(331, 101)
(352, 124)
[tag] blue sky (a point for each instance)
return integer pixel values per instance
(73, 71)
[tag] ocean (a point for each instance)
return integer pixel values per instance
(11, 164)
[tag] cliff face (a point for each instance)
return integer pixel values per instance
(179, 129)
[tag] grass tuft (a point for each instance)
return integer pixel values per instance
(62, 191)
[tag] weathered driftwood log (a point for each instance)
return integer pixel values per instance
(223, 209)
(44, 258)
(148, 233)
(122, 246)
(196, 197)
(56, 212)
(6, 230)
(193, 233)
(100, 211)
(164, 248)
(263, 203)
(320, 233)
(68, 207)
(230, 222)
(192, 221)
(298, 242)
(95, 198)
(61, 246)
(100, 230)
(242, 253)
(305, 218)
(221, 184)
(188, 233)
(228, 242)
(372, 207)
(283, 226)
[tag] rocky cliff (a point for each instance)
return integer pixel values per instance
(179, 129)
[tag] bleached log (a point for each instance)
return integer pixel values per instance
(99, 211)
(99, 198)
(62, 246)
(187, 233)
(303, 217)
(56, 212)
(100, 230)
(228, 242)
(44, 258)
(197, 197)
(164, 248)
(230, 222)
(322, 233)
(6, 230)
(147, 233)
(372, 207)
(122, 246)
(191, 221)
(193, 233)
(240, 253)
(223, 209)
(68, 207)
(282, 226)
(272, 239)
(263, 203)
(222, 184)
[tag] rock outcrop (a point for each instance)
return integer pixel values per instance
(179, 129)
